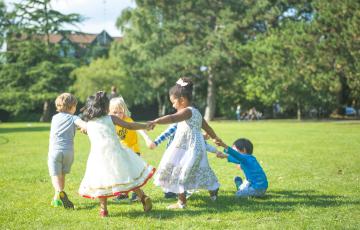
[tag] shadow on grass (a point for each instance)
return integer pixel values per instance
(274, 201)
(24, 129)
(3, 140)
(87, 206)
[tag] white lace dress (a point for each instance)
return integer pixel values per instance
(111, 168)
(184, 165)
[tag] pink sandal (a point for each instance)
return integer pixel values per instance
(104, 213)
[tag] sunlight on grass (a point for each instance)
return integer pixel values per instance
(312, 167)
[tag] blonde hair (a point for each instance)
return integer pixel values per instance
(119, 103)
(64, 102)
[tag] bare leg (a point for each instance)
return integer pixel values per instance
(140, 193)
(103, 204)
(182, 198)
(103, 207)
(58, 183)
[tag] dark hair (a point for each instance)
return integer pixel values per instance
(244, 143)
(182, 91)
(96, 105)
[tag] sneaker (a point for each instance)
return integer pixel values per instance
(134, 197)
(147, 204)
(214, 194)
(56, 203)
(104, 213)
(238, 181)
(65, 200)
(170, 195)
(122, 197)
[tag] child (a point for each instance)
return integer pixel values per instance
(241, 153)
(184, 165)
(61, 147)
(111, 169)
(127, 137)
(169, 133)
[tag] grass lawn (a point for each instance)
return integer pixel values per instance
(312, 168)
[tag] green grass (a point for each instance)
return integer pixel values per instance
(312, 168)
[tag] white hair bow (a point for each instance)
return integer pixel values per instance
(181, 82)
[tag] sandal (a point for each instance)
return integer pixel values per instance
(177, 205)
(146, 202)
(104, 213)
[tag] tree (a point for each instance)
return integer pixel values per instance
(308, 61)
(33, 63)
(336, 28)
(164, 41)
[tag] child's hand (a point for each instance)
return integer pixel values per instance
(220, 155)
(219, 142)
(150, 125)
(206, 136)
(83, 130)
(152, 145)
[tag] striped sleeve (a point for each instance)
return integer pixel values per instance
(166, 134)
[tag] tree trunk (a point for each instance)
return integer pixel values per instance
(160, 104)
(210, 98)
(45, 117)
(298, 111)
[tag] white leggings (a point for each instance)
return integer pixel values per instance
(245, 190)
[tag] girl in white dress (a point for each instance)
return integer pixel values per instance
(184, 165)
(111, 168)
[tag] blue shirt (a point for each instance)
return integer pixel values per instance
(62, 132)
(251, 167)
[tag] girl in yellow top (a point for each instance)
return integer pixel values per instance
(128, 138)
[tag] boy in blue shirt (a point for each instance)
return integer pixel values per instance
(240, 153)
(61, 146)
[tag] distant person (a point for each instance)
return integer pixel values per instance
(113, 93)
(276, 109)
(350, 111)
(255, 183)
(238, 112)
(61, 146)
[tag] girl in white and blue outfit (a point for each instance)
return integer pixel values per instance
(184, 165)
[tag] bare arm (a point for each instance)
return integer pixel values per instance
(81, 124)
(181, 115)
(128, 125)
(146, 137)
(209, 131)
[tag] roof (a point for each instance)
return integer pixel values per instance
(77, 37)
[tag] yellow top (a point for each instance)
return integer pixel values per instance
(128, 137)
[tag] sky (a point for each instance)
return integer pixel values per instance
(99, 14)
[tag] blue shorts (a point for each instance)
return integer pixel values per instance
(60, 161)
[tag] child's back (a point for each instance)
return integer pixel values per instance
(62, 131)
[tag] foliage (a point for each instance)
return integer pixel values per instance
(34, 71)
(101, 74)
